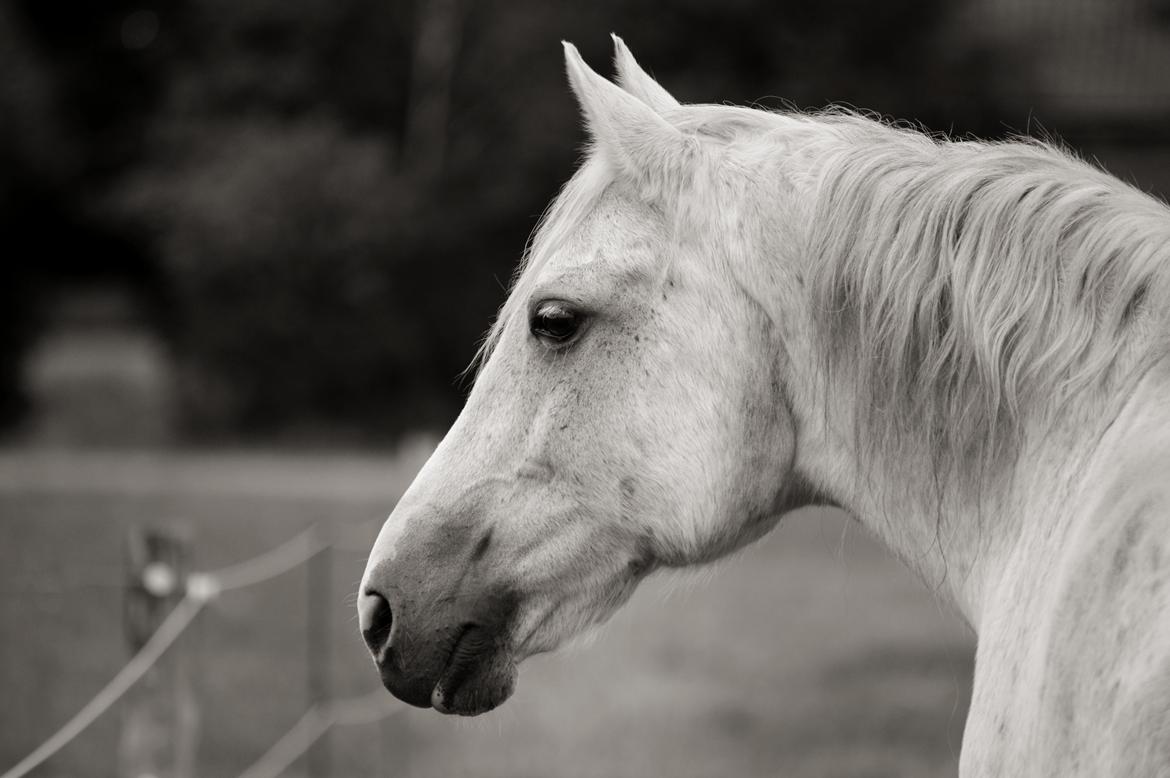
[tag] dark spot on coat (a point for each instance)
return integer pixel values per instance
(644, 558)
(1120, 560)
(639, 566)
(1129, 539)
(482, 546)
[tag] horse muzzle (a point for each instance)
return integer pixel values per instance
(435, 643)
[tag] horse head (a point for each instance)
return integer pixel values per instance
(629, 413)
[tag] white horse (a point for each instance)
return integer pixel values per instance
(729, 313)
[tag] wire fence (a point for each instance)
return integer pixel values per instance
(202, 588)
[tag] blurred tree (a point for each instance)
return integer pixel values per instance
(280, 242)
(335, 192)
(76, 95)
(27, 153)
(432, 69)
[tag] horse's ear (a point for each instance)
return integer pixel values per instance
(638, 82)
(635, 139)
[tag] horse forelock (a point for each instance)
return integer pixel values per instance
(563, 215)
(970, 292)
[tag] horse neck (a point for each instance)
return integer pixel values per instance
(957, 541)
(953, 530)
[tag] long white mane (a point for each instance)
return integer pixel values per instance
(966, 291)
(971, 292)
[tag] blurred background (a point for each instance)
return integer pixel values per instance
(247, 249)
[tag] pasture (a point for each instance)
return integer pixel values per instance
(812, 653)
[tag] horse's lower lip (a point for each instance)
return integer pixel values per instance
(471, 643)
(474, 660)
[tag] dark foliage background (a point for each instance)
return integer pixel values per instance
(318, 203)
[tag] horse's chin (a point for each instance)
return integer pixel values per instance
(480, 675)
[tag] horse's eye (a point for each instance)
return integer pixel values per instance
(555, 323)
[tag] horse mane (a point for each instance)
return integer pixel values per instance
(966, 291)
(971, 292)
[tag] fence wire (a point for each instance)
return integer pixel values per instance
(201, 588)
(316, 721)
(168, 631)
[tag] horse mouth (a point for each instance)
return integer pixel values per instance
(479, 675)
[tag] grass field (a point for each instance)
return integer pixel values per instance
(811, 654)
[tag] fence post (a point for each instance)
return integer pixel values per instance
(319, 603)
(160, 721)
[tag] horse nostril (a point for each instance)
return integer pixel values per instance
(375, 619)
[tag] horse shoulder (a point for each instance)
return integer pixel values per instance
(1139, 569)
(1105, 694)
(1141, 726)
